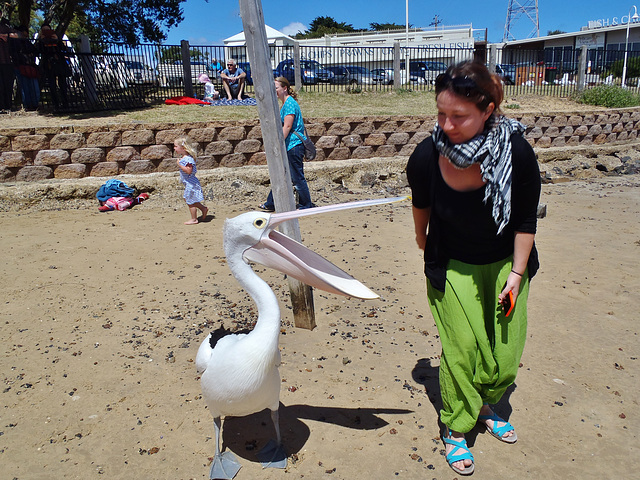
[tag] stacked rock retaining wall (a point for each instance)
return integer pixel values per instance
(37, 153)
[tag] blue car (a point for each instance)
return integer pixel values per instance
(311, 72)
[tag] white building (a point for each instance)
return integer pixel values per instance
(448, 44)
(605, 41)
(455, 36)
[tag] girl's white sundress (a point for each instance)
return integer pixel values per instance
(192, 188)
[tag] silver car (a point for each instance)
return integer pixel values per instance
(351, 75)
(140, 74)
(383, 75)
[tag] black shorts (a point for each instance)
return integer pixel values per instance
(234, 89)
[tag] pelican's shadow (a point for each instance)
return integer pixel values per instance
(245, 436)
(426, 374)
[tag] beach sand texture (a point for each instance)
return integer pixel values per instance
(102, 315)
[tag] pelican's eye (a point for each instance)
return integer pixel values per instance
(260, 223)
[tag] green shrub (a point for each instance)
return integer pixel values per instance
(633, 68)
(611, 96)
(513, 106)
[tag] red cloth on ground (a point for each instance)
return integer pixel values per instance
(184, 101)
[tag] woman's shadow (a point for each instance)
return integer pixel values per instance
(425, 373)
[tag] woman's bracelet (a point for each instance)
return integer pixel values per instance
(519, 274)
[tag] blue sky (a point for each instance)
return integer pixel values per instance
(210, 23)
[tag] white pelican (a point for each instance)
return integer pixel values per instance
(240, 371)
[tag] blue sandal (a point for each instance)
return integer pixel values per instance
(498, 432)
(266, 208)
(452, 457)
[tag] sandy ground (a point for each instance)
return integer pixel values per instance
(103, 314)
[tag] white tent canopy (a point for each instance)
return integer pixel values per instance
(274, 37)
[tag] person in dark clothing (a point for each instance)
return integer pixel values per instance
(7, 75)
(475, 188)
(23, 54)
(54, 66)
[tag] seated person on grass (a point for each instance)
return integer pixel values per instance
(233, 80)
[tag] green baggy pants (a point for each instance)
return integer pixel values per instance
(481, 348)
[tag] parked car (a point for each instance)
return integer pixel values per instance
(118, 71)
(383, 75)
(428, 70)
(140, 74)
(351, 75)
(311, 71)
(506, 72)
(246, 68)
(414, 79)
(172, 74)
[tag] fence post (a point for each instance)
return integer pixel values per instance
(582, 68)
(297, 79)
(186, 68)
(88, 72)
(397, 74)
(493, 52)
(274, 147)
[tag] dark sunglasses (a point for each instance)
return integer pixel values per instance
(463, 86)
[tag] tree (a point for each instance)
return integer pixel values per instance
(633, 68)
(172, 53)
(329, 23)
(129, 21)
(320, 26)
(386, 26)
(555, 32)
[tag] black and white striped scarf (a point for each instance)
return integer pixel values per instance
(492, 150)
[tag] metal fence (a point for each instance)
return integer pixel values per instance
(117, 76)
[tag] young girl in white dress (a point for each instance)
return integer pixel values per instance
(210, 93)
(187, 151)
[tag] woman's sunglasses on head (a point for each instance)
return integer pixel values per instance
(464, 86)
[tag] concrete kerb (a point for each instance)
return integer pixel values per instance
(220, 184)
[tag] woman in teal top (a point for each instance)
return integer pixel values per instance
(292, 123)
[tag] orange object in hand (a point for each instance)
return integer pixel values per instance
(508, 304)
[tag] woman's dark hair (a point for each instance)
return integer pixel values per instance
(472, 81)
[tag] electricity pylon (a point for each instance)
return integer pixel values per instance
(517, 9)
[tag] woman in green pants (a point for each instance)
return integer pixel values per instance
(475, 189)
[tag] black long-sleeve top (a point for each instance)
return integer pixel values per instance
(461, 225)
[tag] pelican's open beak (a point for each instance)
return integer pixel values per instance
(276, 250)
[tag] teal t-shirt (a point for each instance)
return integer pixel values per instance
(291, 107)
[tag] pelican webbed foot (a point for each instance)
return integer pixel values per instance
(224, 467)
(272, 455)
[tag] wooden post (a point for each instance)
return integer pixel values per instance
(493, 53)
(397, 74)
(582, 69)
(296, 67)
(186, 68)
(88, 72)
(258, 52)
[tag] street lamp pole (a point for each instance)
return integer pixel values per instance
(406, 46)
(626, 43)
(407, 22)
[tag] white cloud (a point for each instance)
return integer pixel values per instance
(199, 41)
(293, 28)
